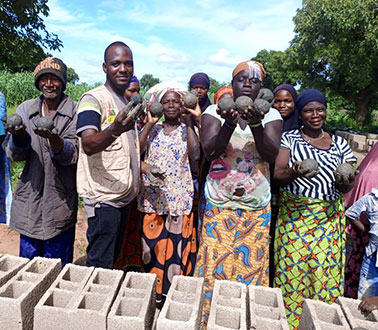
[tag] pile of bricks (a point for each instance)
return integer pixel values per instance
(359, 142)
(39, 295)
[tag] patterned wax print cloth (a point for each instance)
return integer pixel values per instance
(309, 252)
(169, 152)
(169, 248)
(5, 171)
(235, 247)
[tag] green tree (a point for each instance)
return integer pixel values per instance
(72, 76)
(23, 34)
(336, 46)
(214, 86)
(147, 81)
(279, 68)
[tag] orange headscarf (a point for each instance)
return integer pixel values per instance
(256, 68)
(220, 92)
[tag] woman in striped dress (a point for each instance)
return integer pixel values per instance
(310, 233)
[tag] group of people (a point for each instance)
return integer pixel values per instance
(217, 193)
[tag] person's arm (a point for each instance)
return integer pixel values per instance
(96, 141)
(192, 139)
(150, 123)
(353, 213)
(214, 136)
(282, 173)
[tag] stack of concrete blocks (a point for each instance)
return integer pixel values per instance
(354, 316)
(266, 309)
(92, 306)
(228, 308)
(358, 142)
(318, 315)
(54, 309)
(182, 309)
(9, 266)
(135, 305)
(20, 294)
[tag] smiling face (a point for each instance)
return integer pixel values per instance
(244, 84)
(284, 102)
(50, 85)
(313, 115)
(119, 68)
(171, 102)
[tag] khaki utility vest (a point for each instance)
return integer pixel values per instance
(106, 175)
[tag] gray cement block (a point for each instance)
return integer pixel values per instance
(266, 309)
(135, 305)
(92, 306)
(228, 308)
(9, 266)
(318, 315)
(354, 317)
(54, 310)
(182, 308)
(19, 295)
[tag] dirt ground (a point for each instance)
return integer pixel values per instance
(10, 239)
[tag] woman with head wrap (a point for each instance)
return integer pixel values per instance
(166, 196)
(310, 234)
(200, 82)
(235, 236)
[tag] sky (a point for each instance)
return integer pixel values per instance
(170, 39)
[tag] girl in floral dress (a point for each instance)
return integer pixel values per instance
(168, 234)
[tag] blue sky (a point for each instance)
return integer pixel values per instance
(170, 39)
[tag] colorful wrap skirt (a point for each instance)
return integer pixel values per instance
(235, 247)
(169, 248)
(309, 252)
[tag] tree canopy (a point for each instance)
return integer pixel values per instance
(147, 81)
(23, 34)
(336, 47)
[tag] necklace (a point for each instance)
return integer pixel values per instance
(170, 125)
(309, 138)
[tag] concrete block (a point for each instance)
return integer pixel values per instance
(182, 308)
(92, 306)
(54, 310)
(135, 305)
(228, 306)
(9, 266)
(318, 315)
(354, 317)
(20, 294)
(358, 138)
(266, 309)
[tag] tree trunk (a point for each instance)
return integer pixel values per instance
(361, 102)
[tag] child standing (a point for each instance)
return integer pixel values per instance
(367, 204)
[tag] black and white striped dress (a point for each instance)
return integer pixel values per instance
(322, 186)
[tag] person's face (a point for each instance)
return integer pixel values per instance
(171, 102)
(283, 102)
(119, 67)
(244, 84)
(313, 115)
(132, 90)
(201, 90)
(50, 85)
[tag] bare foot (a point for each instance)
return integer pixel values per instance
(368, 304)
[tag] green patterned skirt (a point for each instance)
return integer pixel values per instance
(309, 252)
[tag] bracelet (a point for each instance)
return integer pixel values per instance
(115, 136)
(295, 168)
(229, 125)
(255, 125)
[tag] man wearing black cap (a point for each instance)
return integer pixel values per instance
(44, 207)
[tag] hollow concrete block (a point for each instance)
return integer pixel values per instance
(91, 307)
(20, 294)
(354, 317)
(9, 266)
(318, 315)
(228, 308)
(54, 309)
(182, 308)
(266, 309)
(135, 305)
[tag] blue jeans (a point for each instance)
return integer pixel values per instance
(368, 285)
(60, 246)
(105, 234)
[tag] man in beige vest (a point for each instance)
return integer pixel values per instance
(108, 166)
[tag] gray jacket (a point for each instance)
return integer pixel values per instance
(45, 201)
